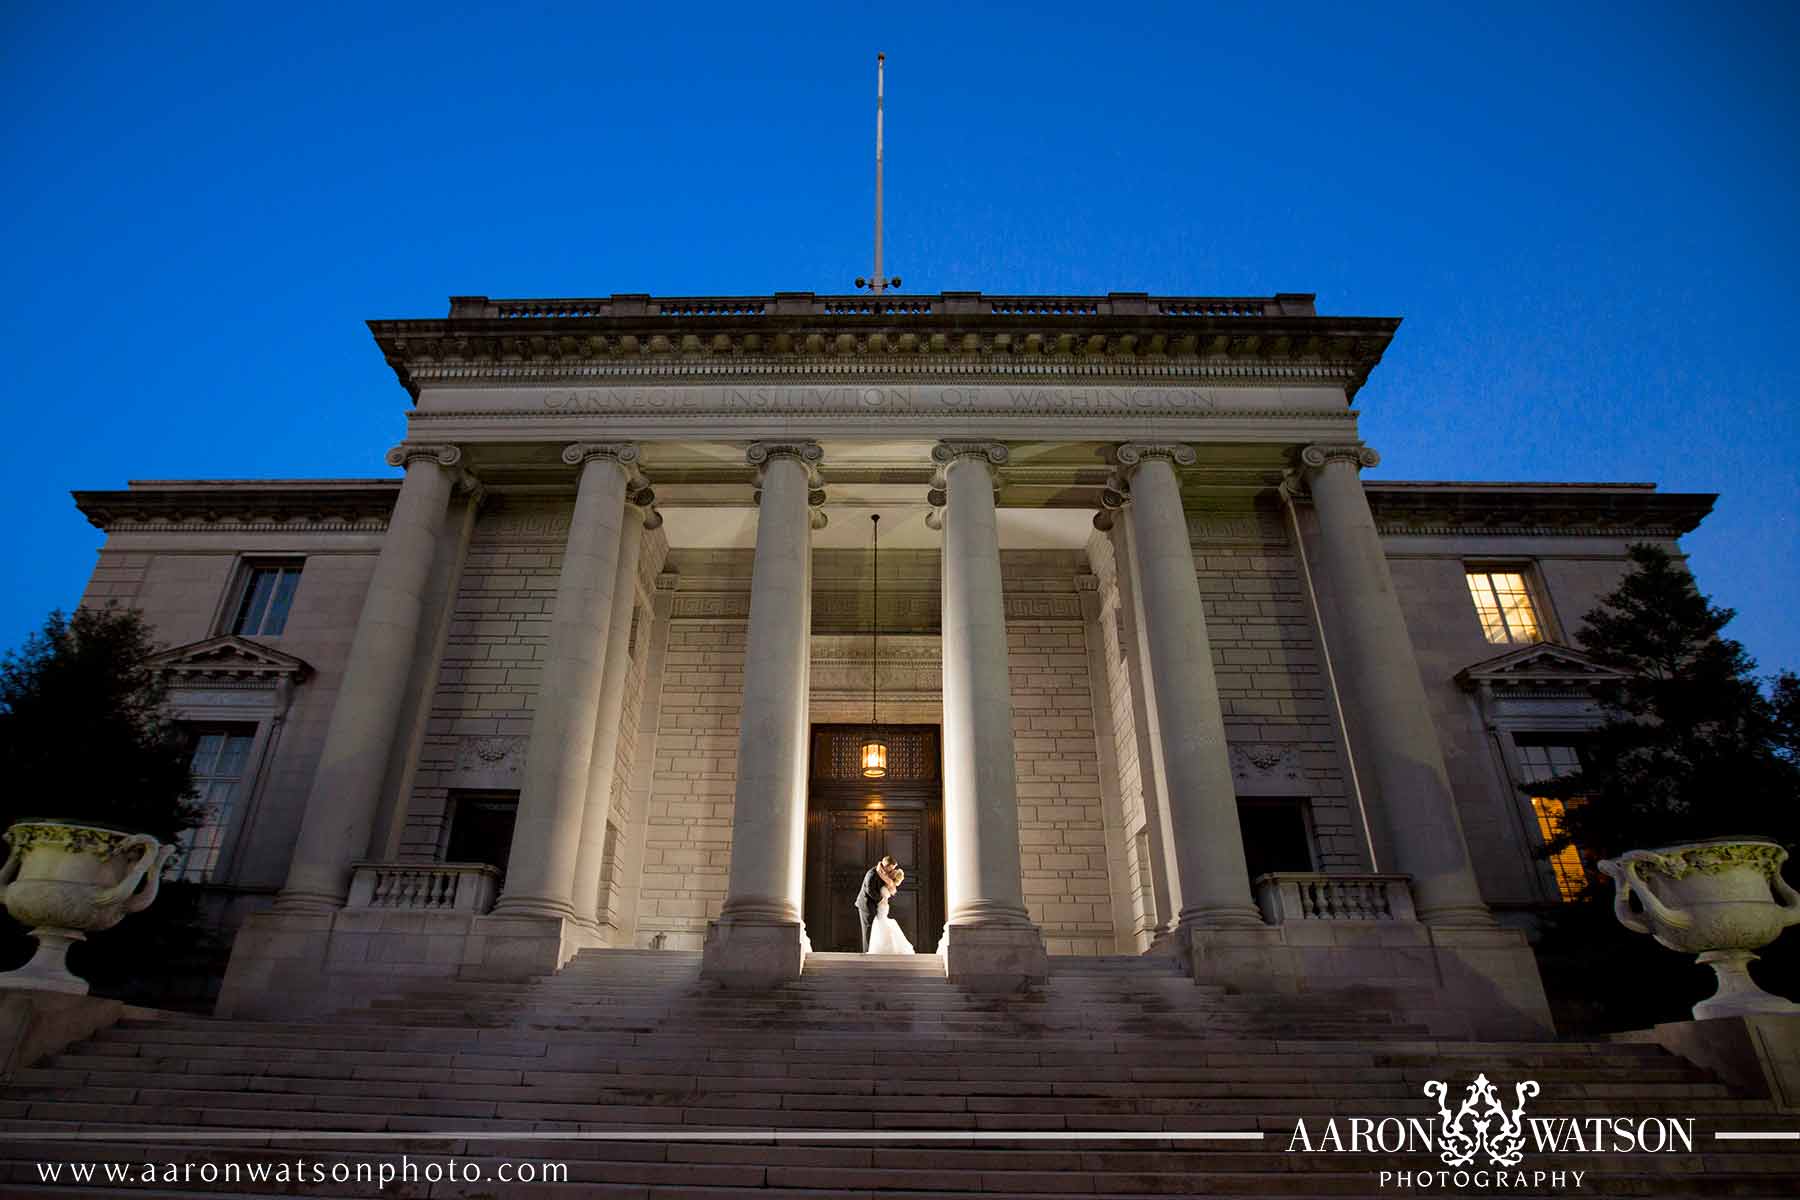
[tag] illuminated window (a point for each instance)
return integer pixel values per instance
(1542, 761)
(221, 759)
(264, 597)
(1504, 605)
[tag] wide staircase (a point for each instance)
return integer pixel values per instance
(866, 1077)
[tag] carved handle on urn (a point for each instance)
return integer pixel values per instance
(10, 871)
(1785, 895)
(147, 872)
(1627, 876)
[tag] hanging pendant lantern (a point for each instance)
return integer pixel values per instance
(874, 753)
(874, 756)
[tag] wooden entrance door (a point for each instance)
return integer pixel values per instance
(852, 822)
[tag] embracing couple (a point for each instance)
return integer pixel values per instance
(881, 933)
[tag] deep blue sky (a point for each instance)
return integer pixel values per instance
(1586, 216)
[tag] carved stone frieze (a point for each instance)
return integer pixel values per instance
(1236, 527)
(1266, 769)
(911, 668)
(519, 522)
(490, 760)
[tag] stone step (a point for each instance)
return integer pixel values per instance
(422, 1047)
(633, 1040)
(1169, 1046)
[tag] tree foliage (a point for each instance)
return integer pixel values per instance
(85, 732)
(85, 736)
(1692, 747)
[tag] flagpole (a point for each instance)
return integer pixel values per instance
(878, 282)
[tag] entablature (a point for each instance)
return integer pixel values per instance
(1536, 509)
(285, 505)
(798, 337)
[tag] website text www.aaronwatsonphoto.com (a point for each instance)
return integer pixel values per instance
(302, 1170)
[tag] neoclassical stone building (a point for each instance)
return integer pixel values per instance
(1157, 670)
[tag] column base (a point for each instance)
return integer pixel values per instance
(1468, 916)
(994, 958)
(753, 955)
(1237, 916)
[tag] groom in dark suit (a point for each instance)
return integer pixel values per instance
(868, 899)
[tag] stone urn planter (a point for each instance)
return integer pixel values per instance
(64, 880)
(1722, 900)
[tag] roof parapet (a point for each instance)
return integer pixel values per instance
(807, 304)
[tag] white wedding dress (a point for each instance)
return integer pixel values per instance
(885, 936)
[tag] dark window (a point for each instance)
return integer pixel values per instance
(1275, 836)
(481, 827)
(263, 603)
(221, 766)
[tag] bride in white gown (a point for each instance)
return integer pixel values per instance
(885, 936)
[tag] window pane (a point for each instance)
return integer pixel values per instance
(1565, 864)
(1541, 761)
(256, 602)
(231, 760)
(1488, 609)
(220, 762)
(276, 621)
(206, 753)
(1515, 607)
(1503, 603)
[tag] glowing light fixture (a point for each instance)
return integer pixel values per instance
(874, 746)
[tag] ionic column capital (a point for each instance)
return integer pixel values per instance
(947, 452)
(578, 454)
(808, 453)
(1112, 501)
(644, 498)
(991, 454)
(1320, 454)
(1132, 454)
(444, 454)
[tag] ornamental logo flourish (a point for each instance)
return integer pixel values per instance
(1481, 1124)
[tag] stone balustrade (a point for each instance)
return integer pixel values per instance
(781, 304)
(1290, 896)
(424, 887)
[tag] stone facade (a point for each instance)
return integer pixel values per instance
(1139, 779)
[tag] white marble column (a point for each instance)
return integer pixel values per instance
(340, 809)
(990, 940)
(591, 856)
(759, 939)
(540, 874)
(1386, 696)
(1153, 776)
(1207, 845)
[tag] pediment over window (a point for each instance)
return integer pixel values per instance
(1544, 665)
(230, 658)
